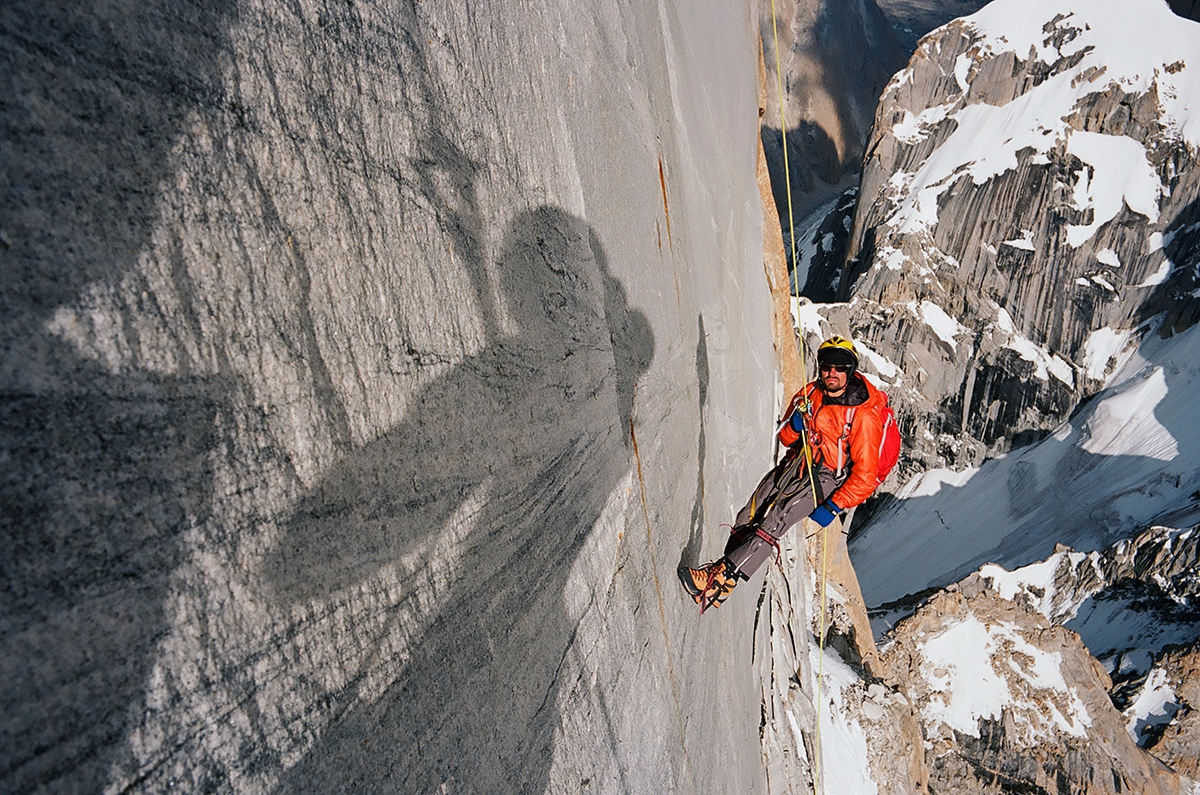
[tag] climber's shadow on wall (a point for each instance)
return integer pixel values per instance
(106, 469)
(473, 510)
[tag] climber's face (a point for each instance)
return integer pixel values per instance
(834, 378)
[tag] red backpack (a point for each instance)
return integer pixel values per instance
(889, 441)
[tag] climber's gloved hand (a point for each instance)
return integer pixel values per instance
(825, 513)
(797, 421)
(790, 429)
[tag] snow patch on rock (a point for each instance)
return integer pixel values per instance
(1103, 350)
(1025, 241)
(1046, 364)
(845, 761)
(1121, 175)
(980, 669)
(1155, 705)
(942, 324)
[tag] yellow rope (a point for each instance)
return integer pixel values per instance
(791, 268)
(808, 457)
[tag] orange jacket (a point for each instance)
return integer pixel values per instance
(839, 445)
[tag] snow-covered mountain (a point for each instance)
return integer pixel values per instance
(1010, 702)
(1001, 684)
(1029, 197)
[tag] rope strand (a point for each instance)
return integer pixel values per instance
(799, 336)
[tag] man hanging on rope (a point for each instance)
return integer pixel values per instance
(833, 426)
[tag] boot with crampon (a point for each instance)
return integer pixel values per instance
(711, 584)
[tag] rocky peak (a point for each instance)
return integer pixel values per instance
(1160, 556)
(1174, 688)
(1009, 702)
(1022, 675)
(1030, 180)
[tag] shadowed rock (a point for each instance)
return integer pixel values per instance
(522, 443)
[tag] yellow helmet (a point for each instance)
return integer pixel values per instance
(838, 350)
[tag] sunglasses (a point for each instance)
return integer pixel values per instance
(841, 368)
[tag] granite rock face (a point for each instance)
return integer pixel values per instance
(1030, 189)
(1176, 738)
(367, 370)
(1011, 703)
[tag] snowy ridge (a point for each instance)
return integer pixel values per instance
(1003, 694)
(1131, 605)
(979, 669)
(1094, 593)
(1037, 584)
(1045, 362)
(1137, 53)
(1059, 586)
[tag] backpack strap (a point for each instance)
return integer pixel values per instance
(841, 463)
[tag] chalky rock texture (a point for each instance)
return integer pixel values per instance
(1011, 703)
(1030, 181)
(368, 369)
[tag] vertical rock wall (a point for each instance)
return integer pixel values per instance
(367, 371)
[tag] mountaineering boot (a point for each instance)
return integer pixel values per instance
(710, 584)
(696, 581)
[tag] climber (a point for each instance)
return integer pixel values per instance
(838, 417)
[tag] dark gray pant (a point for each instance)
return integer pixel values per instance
(782, 499)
